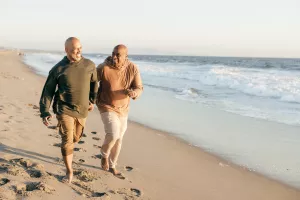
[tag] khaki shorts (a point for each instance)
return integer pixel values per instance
(71, 130)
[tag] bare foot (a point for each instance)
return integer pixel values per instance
(104, 163)
(68, 178)
(116, 173)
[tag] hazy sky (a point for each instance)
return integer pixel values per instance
(268, 28)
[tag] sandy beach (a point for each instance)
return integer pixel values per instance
(155, 164)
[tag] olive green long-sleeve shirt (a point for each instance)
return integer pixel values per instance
(77, 87)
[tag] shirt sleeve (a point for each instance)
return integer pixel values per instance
(137, 85)
(48, 93)
(100, 71)
(93, 86)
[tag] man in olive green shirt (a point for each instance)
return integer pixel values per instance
(76, 80)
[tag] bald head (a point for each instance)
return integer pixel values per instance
(73, 49)
(121, 47)
(70, 40)
(119, 55)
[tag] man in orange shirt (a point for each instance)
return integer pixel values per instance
(120, 80)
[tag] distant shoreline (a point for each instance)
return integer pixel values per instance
(154, 54)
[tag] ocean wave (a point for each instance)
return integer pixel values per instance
(189, 94)
(161, 87)
(42, 62)
(280, 84)
(259, 63)
(193, 92)
(284, 86)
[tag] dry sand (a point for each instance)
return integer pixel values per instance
(155, 164)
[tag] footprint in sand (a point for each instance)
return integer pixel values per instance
(97, 156)
(128, 168)
(33, 106)
(54, 135)
(85, 175)
(120, 176)
(81, 161)
(35, 173)
(81, 142)
(94, 132)
(95, 138)
(129, 193)
(82, 188)
(8, 122)
(4, 181)
(21, 166)
(137, 192)
(27, 189)
(3, 167)
(53, 127)
(100, 194)
(79, 149)
(21, 161)
(36, 107)
(16, 171)
(97, 146)
(57, 144)
(85, 190)
(84, 135)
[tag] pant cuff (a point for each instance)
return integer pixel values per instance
(104, 155)
(112, 166)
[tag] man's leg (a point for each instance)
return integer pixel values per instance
(79, 127)
(112, 128)
(115, 151)
(66, 131)
(68, 163)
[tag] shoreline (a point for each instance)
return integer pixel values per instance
(223, 161)
(199, 157)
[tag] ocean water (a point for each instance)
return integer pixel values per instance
(178, 89)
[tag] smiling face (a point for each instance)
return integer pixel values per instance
(73, 49)
(119, 55)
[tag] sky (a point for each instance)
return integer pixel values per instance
(256, 28)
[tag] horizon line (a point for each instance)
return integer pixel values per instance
(154, 54)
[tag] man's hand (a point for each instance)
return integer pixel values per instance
(46, 120)
(132, 94)
(91, 107)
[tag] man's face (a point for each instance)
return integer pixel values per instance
(74, 51)
(119, 56)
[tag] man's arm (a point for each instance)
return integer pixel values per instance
(136, 86)
(47, 94)
(99, 76)
(100, 71)
(94, 86)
